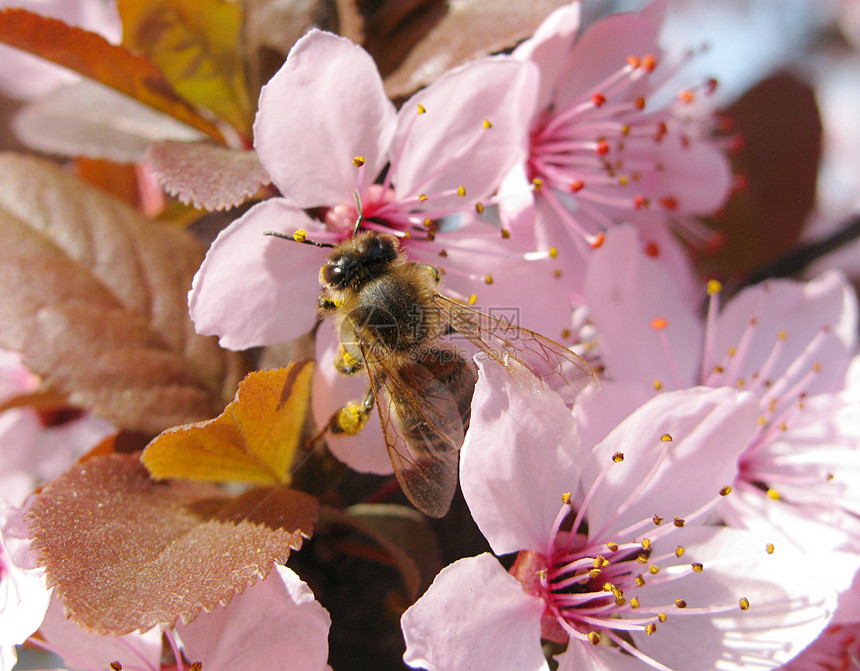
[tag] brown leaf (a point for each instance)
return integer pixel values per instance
(208, 176)
(254, 440)
(94, 298)
(779, 122)
(128, 553)
(89, 119)
(93, 56)
(414, 50)
(197, 45)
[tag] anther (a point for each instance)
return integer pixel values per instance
(594, 637)
(649, 62)
(565, 498)
(472, 299)
(679, 551)
(725, 491)
(553, 252)
(646, 544)
(650, 628)
(421, 109)
(487, 124)
(680, 603)
(602, 148)
(633, 62)
(116, 666)
(697, 567)
(537, 182)
(597, 240)
(773, 495)
(744, 603)
(679, 521)
(300, 235)
(659, 323)
(769, 548)
(657, 520)
(639, 103)
(506, 233)
(618, 457)
(669, 203)
(598, 99)
(479, 207)
(358, 161)
(652, 249)
(488, 279)
(422, 197)
(461, 191)
(576, 186)
(686, 96)
(657, 385)
(661, 617)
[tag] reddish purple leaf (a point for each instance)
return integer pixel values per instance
(127, 552)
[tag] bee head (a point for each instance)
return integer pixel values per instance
(359, 260)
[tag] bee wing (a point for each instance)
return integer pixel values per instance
(423, 431)
(535, 361)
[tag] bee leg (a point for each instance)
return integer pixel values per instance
(352, 417)
(346, 362)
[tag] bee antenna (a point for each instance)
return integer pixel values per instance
(295, 237)
(360, 215)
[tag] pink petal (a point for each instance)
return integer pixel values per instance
(709, 429)
(80, 649)
(801, 310)
(550, 47)
(519, 458)
(365, 452)
(474, 616)
(448, 145)
(790, 602)
(275, 624)
(694, 172)
(254, 289)
(24, 596)
(603, 49)
(324, 107)
(625, 290)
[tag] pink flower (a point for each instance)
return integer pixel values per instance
(641, 573)
(786, 342)
(23, 594)
(276, 624)
(445, 151)
(37, 446)
(600, 150)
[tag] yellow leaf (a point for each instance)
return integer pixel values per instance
(254, 440)
(197, 45)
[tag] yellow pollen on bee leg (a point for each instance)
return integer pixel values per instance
(358, 161)
(351, 418)
(300, 235)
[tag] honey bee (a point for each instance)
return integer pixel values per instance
(394, 324)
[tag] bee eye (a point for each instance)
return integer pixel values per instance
(332, 274)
